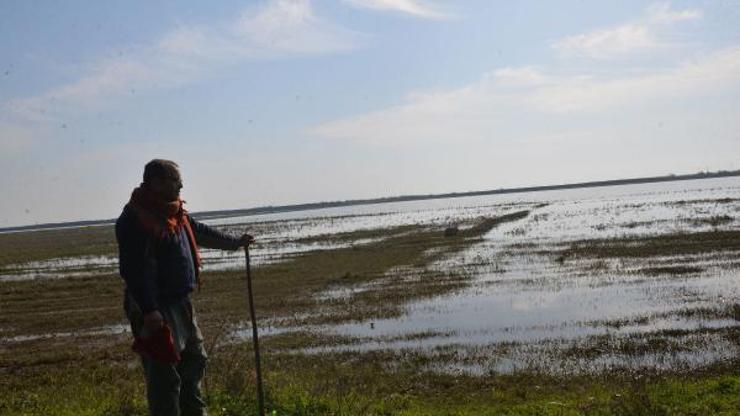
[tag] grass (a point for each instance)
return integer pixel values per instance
(348, 384)
(676, 244)
(671, 270)
(64, 308)
(21, 247)
(638, 345)
(78, 373)
(351, 236)
(714, 221)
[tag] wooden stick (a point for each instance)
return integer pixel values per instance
(255, 340)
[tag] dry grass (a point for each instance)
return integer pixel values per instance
(42, 376)
(661, 245)
(20, 247)
(63, 309)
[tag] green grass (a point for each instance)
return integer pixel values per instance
(676, 244)
(707, 396)
(347, 384)
(20, 247)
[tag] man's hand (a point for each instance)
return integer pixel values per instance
(153, 321)
(246, 240)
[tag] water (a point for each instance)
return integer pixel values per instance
(521, 297)
(116, 329)
(517, 294)
(570, 214)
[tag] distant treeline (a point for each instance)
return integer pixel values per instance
(404, 198)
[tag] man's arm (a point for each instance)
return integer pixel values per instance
(210, 237)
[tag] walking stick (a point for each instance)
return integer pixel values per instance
(255, 340)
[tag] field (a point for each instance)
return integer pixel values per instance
(614, 302)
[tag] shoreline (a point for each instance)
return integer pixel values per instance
(206, 215)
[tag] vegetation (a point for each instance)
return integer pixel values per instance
(65, 350)
(20, 247)
(675, 244)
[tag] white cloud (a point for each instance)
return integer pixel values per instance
(290, 27)
(718, 72)
(513, 105)
(662, 13)
(280, 29)
(519, 77)
(519, 126)
(416, 8)
(607, 43)
(625, 39)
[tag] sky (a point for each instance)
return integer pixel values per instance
(277, 102)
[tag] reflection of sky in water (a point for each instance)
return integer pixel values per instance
(115, 329)
(515, 312)
(60, 268)
(524, 297)
(656, 192)
(550, 311)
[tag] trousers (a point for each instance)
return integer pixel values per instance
(174, 389)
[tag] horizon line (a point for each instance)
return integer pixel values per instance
(271, 209)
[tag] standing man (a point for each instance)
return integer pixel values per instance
(159, 260)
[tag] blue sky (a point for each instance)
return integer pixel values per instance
(289, 101)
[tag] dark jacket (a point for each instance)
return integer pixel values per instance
(161, 271)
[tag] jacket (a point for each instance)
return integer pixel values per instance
(162, 271)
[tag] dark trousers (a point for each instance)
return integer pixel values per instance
(174, 389)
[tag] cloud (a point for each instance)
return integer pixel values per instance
(279, 29)
(662, 13)
(288, 28)
(625, 39)
(607, 43)
(513, 104)
(717, 72)
(417, 8)
(517, 77)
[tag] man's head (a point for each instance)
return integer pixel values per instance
(163, 178)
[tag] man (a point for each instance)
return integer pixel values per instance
(159, 260)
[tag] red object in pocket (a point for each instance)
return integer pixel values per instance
(159, 346)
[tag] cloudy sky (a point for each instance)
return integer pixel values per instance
(290, 101)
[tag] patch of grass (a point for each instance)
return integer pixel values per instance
(618, 323)
(371, 383)
(652, 246)
(664, 397)
(487, 224)
(60, 305)
(714, 221)
(723, 312)
(716, 201)
(731, 311)
(347, 237)
(670, 270)
(396, 382)
(21, 247)
(636, 345)
(296, 340)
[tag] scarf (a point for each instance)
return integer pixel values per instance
(160, 219)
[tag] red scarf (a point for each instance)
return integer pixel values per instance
(160, 219)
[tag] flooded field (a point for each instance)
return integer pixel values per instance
(533, 302)
(641, 279)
